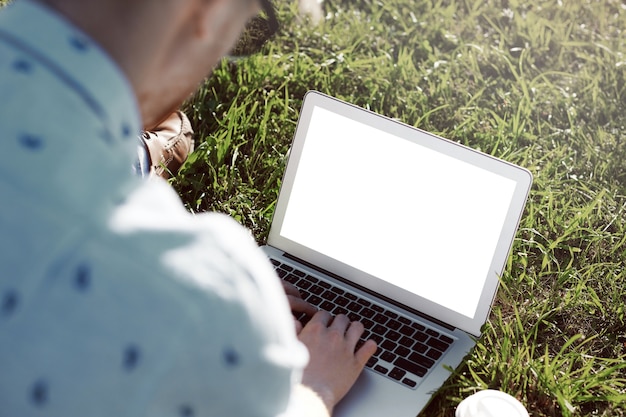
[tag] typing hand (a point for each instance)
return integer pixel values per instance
(297, 304)
(334, 365)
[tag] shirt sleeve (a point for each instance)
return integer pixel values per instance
(239, 354)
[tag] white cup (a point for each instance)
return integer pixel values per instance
(490, 403)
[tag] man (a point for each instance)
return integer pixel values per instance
(114, 301)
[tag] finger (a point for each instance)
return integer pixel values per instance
(340, 323)
(322, 317)
(354, 332)
(298, 325)
(365, 352)
(291, 290)
(298, 305)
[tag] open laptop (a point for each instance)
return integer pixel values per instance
(400, 229)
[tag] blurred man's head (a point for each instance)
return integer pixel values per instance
(165, 47)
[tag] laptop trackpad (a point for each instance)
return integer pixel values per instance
(372, 393)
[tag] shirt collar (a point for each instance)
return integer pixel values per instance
(78, 61)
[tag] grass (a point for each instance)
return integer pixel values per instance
(540, 84)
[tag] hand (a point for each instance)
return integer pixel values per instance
(333, 365)
(297, 304)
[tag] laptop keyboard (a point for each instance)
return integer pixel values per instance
(406, 348)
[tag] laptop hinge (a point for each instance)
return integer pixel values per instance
(373, 293)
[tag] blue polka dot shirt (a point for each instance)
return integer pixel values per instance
(114, 301)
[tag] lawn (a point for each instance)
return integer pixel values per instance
(540, 84)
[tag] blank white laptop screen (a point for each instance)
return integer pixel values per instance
(437, 221)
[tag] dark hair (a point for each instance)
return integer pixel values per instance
(258, 31)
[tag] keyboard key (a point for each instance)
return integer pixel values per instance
(417, 326)
(324, 284)
(299, 273)
(391, 314)
(316, 289)
(379, 329)
(437, 344)
(291, 278)
(342, 301)
(393, 335)
(394, 324)
(406, 341)
(275, 262)
(364, 302)
(353, 316)
(410, 367)
(432, 333)
(353, 306)
(327, 306)
(446, 339)
(286, 268)
(409, 382)
(337, 290)
(350, 296)
(388, 345)
(420, 336)
(366, 312)
(367, 323)
(339, 310)
(404, 320)
(434, 354)
(360, 343)
(402, 351)
(421, 360)
(388, 356)
(381, 369)
(420, 347)
(329, 295)
(397, 373)
(407, 330)
(377, 308)
(371, 362)
(314, 299)
(380, 319)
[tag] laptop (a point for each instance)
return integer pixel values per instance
(398, 228)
